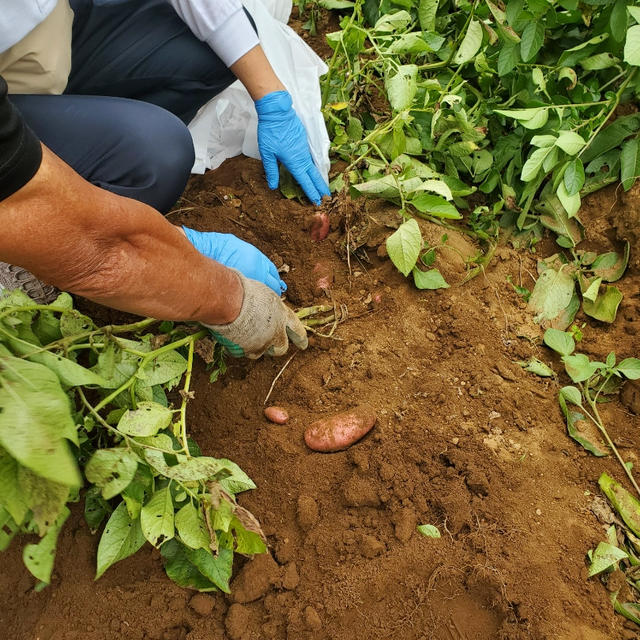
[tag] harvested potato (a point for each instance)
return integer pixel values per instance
(340, 431)
(323, 272)
(319, 227)
(277, 415)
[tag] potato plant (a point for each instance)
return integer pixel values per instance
(431, 101)
(97, 414)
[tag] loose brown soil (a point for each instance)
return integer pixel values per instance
(465, 440)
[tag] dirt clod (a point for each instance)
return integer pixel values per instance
(254, 579)
(237, 622)
(290, 577)
(202, 604)
(312, 619)
(308, 512)
(405, 524)
(360, 492)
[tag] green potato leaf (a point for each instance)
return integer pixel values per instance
(146, 420)
(606, 556)
(470, 44)
(560, 341)
(632, 46)
(111, 470)
(630, 368)
(532, 40)
(579, 367)
(121, 538)
(39, 558)
(611, 266)
(551, 294)
(428, 530)
(404, 245)
(431, 279)
(157, 517)
(181, 569)
(191, 527)
(36, 419)
(605, 306)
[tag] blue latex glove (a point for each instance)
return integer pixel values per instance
(237, 254)
(282, 137)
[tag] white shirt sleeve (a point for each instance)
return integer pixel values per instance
(222, 24)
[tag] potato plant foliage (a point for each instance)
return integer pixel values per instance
(429, 102)
(85, 415)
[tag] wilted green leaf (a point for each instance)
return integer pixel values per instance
(533, 365)
(605, 306)
(427, 10)
(552, 294)
(611, 266)
(622, 501)
(579, 428)
(401, 86)
(35, 420)
(605, 557)
(572, 394)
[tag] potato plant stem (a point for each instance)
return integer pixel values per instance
(597, 420)
(185, 399)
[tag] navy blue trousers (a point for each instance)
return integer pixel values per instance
(138, 75)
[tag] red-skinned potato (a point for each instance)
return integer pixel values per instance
(340, 431)
(319, 227)
(323, 271)
(277, 415)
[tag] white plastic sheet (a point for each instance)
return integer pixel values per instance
(227, 125)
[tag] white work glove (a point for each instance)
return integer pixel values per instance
(264, 325)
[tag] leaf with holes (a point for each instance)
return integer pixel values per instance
(121, 538)
(146, 420)
(111, 470)
(157, 517)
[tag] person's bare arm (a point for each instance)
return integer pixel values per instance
(256, 74)
(111, 249)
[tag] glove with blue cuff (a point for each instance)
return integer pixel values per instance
(232, 252)
(282, 137)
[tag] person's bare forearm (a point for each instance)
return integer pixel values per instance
(256, 74)
(113, 250)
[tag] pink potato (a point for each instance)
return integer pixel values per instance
(277, 415)
(340, 431)
(319, 227)
(323, 272)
